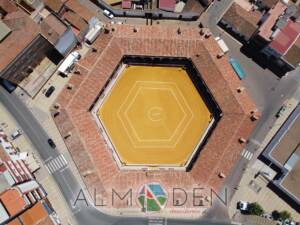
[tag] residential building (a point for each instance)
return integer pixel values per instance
(39, 214)
(30, 44)
(13, 202)
(241, 20)
(284, 44)
(15, 172)
(283, 155)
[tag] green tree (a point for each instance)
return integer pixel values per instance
(284, 215)
(255, 209)
(275, 215)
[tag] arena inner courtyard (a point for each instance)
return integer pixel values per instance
(153, 116)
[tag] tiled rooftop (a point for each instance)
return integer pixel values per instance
(265, 30)
(245, 22)
(293, 54)
(13, 201)
(286, 37)
(54, 5)
(88, 148)
(80, 9)
(37, 215)
(24, 30)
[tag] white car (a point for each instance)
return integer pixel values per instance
(222, 44)
(243, 206)
(108, 14)
(16, 134)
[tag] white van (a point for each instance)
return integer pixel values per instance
(17, 133)
(222, 45)
(108, 14)
(68, 63)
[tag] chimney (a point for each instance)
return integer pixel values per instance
(242, 140)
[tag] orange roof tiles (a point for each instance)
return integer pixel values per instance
(265, 29)
(244, 21)
(75, 20)
(34, 215)
(15, 222)
(80, 9)
(54, 5)
(52, 28)
(12, 201)
(24, 30)
(8, 6)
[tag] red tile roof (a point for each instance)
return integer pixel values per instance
(80, 9)
(13, 201)
(54, 5)
(15, 222)
(126, 4)
(265, 29)
(286, 37)
(245, 22)
(8, 6)
(37, 215)
(24, 30)
(168, 5)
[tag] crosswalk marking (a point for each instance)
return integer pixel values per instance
(56, 164)
(247, 154)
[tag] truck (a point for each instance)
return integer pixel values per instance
(222, 44)
(67, 64)
(237, 68)
(93, 33)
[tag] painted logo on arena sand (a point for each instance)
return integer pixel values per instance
(152, 197)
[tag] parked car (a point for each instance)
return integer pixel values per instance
(17, 133)
(49, 91)
(281, 111)
(108, 14)
(10, 87)
(243, 206)
(51, 143)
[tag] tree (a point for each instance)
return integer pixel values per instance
(255, 209)
(275, 215)
(285, 215)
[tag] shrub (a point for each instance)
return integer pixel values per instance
(284, 215)
(275, 215)
(255, 209)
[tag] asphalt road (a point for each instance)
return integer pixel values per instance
(65, 180)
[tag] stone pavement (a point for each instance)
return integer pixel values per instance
(254, 188)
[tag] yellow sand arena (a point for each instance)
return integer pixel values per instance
(154, 116)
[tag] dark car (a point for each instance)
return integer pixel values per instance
(49, 91)
(51, 143)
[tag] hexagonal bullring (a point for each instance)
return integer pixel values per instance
(153, 115)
